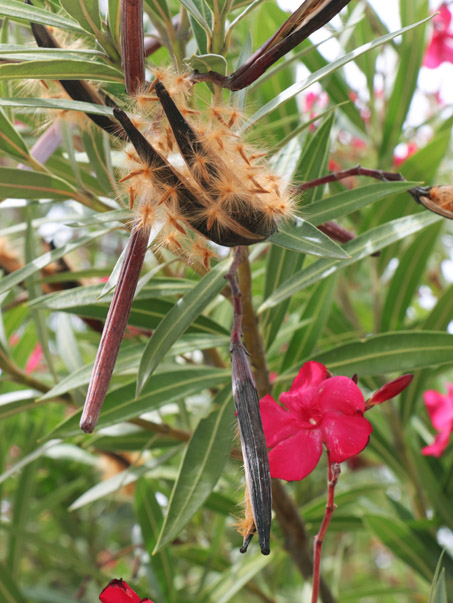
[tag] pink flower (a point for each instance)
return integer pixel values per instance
(440, 48)
(318, 410)
(118, 591)
(440, 410)
(35, 359)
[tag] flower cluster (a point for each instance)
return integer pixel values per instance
(319, 410)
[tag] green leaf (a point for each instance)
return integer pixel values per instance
(86, 12)
(336, 86)
(29, 269)
(9, 590)
(200, 12)
(201, 466)
(20, 184)
(402, 351)
(122, 404)
(179, 318)
(119, 480)
(437, 320)
(95, 143)
(357, 249)
(303, 237)
(56, 103)
(403, 542)
(230, 582)
(114, 20)
(61, 70)
(316, 308)
(410, 60)
(438, 592)
(25, 13)
(348, 201)
(150, 518)
(295, 89)
(13, 403)
(11, 141)
(406, 280)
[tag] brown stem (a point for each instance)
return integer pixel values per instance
(253, 442)
(307, 19)
(333, 472)
(297, 541)
(114, 327)
(357, 170)
(153, 43)
(132, 45)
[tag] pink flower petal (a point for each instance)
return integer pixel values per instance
(344, 436)
(296, 457)
(340, 394)
(439, 407)
(390, 389)
(278, 424)
(312, 373)
(118, 591)
(439, 444)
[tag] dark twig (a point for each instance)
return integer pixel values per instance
(357, 170)
(253, 442)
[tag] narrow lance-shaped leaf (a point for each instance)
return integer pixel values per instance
(203, 461)
(178, 319)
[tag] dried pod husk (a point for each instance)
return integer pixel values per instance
(192, 205)
(254, 449)
(438, 199)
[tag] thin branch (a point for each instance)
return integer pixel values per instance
(333, 472)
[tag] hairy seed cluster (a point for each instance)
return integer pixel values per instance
(190, 173)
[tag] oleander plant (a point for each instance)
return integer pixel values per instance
(226, 333)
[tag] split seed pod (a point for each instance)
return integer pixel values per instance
(438, 199)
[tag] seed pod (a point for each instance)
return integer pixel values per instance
(438, 199)
(192, 206)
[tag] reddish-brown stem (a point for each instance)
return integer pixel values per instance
(253, 442)
(132, 45)
(297, 28)
(114, 327)
(357, 170)
(333, 473)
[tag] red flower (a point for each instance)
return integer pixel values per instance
(440, 410)
(318, 410)
(403, 152)
(440, 48)
(117, 591)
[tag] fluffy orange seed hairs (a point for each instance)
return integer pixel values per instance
(221, 189)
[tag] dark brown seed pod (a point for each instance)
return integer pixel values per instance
(438, 199)
(192, 205)
(193, 150)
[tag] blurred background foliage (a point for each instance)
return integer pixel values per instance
(77, 509)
